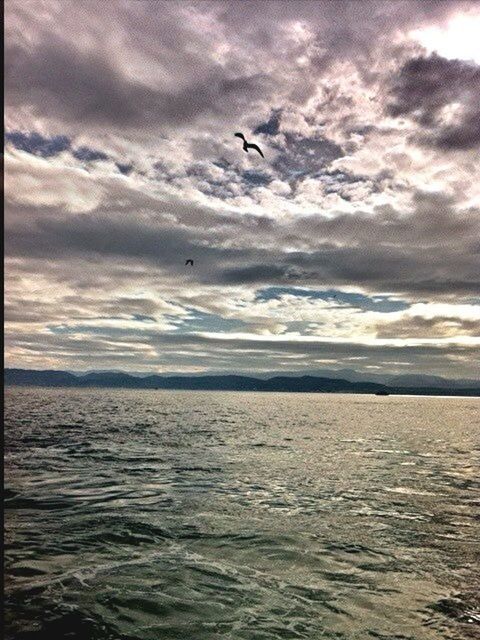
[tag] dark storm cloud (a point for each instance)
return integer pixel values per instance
(84, 82)
(426, 85)
(85, 88)
(95, 234)
(254, 273)
(381, 268)
(434, 249)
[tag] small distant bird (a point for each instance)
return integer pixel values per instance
(189, 262)
(248, 145)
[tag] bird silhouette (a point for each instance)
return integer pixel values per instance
(248, 145)
(189, 262)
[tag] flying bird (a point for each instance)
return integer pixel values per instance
(248, 145)
(189, 262)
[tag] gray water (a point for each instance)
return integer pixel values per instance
(205, 515)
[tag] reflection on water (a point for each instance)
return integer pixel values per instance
(205, 515)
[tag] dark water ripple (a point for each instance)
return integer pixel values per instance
(184, 515)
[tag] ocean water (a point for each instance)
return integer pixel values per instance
(205, 515)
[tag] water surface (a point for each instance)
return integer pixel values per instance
(207, 515)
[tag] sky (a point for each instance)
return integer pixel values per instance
(354, 243)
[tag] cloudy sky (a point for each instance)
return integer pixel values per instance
(354, 243)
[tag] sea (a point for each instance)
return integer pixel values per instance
(145, 514)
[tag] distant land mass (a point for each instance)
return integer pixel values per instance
(387, 378)
(305, 383)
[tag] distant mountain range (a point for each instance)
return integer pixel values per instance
(305, 383)
(403, 380)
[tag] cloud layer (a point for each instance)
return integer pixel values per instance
(355, 242)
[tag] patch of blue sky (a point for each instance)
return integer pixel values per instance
(272, 126)
(86, 154)
(382, 304)
(47, 147)
(36, 144)
(84, 328)
(222, 163)
(64, 329)
(124, 168)
(201, 321)
(256, 178)
(61, 329)
(301, 326)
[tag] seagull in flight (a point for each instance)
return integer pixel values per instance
(248, 145)
(189, 262)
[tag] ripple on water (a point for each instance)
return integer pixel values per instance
(137, 514)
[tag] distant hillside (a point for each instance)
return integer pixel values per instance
(388, 378)
(24, 377)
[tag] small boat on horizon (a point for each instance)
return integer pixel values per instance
(382, 392)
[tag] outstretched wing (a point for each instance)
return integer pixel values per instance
(257, 148)
(239, 135)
